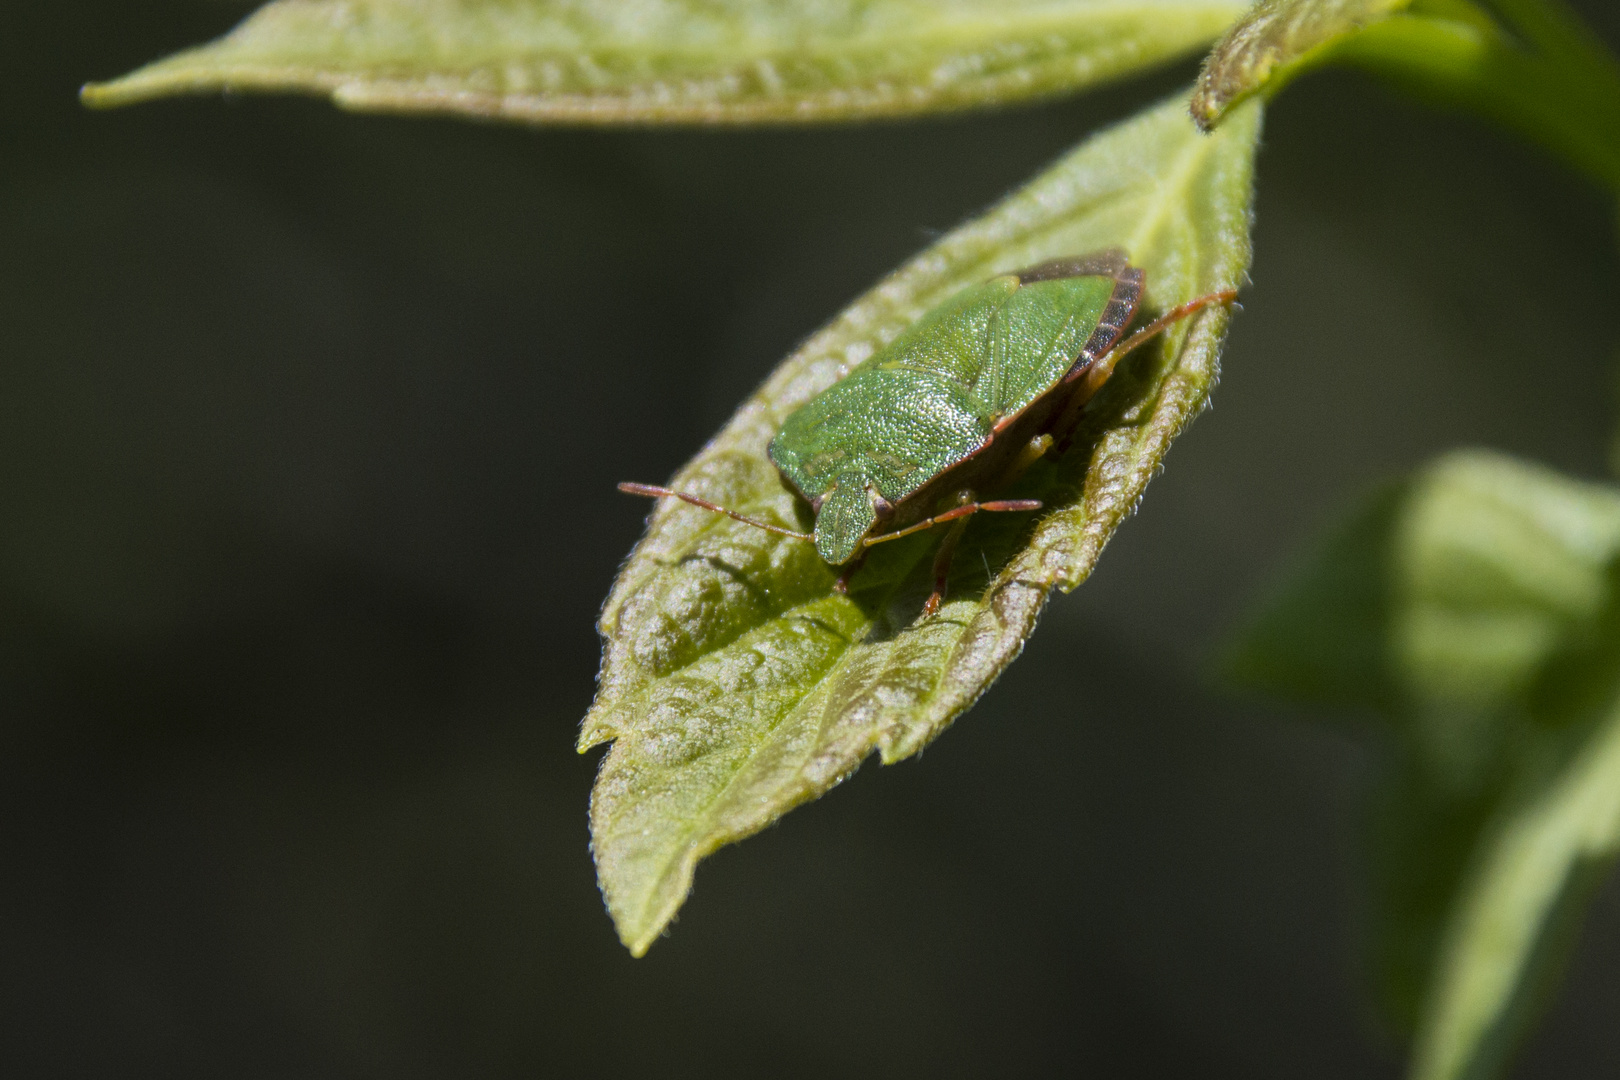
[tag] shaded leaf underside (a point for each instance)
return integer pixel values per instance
(736, 685)
(701, 61)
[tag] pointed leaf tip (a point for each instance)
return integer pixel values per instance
(1276, 40)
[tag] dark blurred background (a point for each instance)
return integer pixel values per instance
(309, 425)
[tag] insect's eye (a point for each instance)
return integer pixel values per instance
(882, 507)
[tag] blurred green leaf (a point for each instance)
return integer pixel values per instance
(737, 685)
(1448, 591)
(1275, 41)
(1510, 930)
(694, 61)
(1475, 607)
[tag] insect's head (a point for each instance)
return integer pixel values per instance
(845, 517)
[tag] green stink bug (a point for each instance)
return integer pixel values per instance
(960, 403)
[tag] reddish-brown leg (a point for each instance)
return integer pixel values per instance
(957, 517)
(967, 509)
(1091, 379)
(841, 586)
(942, 566)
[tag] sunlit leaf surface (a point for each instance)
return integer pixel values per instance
(702, 61)
(1274, 41)
(738, 685)
(1474, 606)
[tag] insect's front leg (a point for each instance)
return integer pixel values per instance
(1088, 381)
(947, 551)
(942, 566)
(841, 586)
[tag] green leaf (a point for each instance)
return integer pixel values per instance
(1511, 928)
(1275, 41)
(737, 685)
(692, 61)
(1449, 590)
(1475, 607)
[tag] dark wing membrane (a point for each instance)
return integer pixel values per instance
(1109, 263)
(1117, 315)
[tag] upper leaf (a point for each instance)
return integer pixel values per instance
(1476, 606)
(694, 61)
(737, 684)
(1276, 40)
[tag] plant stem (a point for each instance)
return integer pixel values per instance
(1559, 88)
(1552, 27)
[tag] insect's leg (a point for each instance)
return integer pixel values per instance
(1098, 373)
(652, 491)
(957, 517)
(965, 510)
(841, 586)
(942, 566)
(1032, 452)
(1063, 430)
(1092, 378)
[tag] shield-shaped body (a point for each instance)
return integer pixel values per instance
(946, 403)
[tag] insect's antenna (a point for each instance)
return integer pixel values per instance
(1098, 373)
(652, 491)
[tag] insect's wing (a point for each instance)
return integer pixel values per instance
(1106, 262)
(904, 413)
(1036, 336)
(949, 342)
(896, 428)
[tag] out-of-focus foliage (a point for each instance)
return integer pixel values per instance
(737, 685)
(695, 61)
(1475, 608)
